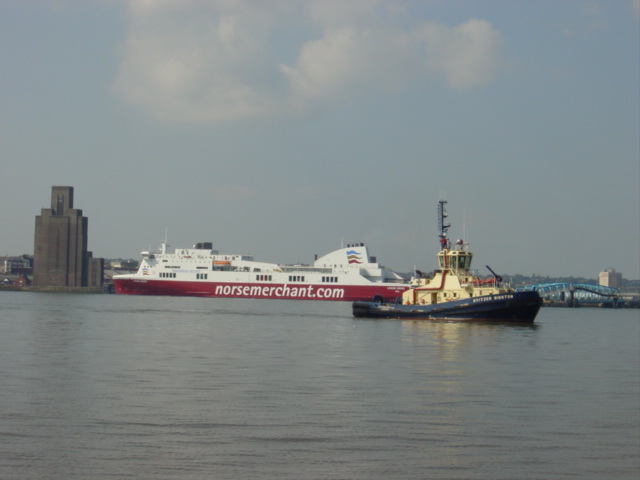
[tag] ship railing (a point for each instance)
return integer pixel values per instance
(303, 268)
(484, 281)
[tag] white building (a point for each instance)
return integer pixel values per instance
(610, 278)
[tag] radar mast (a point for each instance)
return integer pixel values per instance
(442, 226)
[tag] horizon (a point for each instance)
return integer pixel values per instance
(532, 275)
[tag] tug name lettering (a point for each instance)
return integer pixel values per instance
(493, 297)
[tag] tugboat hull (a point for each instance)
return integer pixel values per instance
(512, 307)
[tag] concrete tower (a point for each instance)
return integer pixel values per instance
(60, 257)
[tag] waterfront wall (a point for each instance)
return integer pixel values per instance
(54, 289)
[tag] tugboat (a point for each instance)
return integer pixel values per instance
(453, 292)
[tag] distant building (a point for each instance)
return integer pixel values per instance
(610, 278)
(22, 265)
(60, 255)
(122, 264)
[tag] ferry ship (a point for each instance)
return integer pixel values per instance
(454, 292)
(347, 274)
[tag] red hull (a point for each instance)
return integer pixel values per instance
(347, 293)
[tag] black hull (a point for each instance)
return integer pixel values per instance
(515, 307)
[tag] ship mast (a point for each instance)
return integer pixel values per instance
(443, 227)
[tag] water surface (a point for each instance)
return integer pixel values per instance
(109, 386)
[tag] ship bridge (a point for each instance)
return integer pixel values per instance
(575, 293)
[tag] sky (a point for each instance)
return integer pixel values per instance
(285, 129)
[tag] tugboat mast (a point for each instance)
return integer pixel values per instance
(442, 214)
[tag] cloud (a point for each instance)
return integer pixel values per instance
(193, 61)
(349, 56)
(468, 54)
(218, 60)
(589, 22)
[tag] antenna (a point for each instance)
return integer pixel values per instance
(464, 222)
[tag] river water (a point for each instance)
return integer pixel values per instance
(110, 387)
